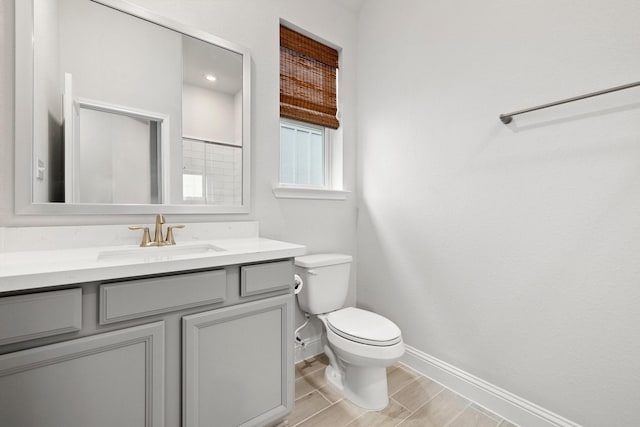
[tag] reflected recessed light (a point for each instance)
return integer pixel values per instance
(210, 77)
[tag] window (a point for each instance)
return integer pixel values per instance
(192, 188)
(303, 155)
(308, 113)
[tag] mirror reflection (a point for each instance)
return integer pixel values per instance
(130, 112)
(117, 159)
(212, 148)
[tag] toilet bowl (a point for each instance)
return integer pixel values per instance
(360, 344)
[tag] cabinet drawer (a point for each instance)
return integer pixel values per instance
(261, 278)
(26, 317)
(146, 297)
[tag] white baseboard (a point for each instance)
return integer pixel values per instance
(312, 347)
(515, 409)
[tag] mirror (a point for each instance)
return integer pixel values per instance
(119, 110)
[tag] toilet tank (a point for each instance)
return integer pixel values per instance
(326, 281)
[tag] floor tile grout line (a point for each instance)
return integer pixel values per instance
(420, 407)
(359, 416)
(420, 374)
(403, 387)
(474, 402)
(409, 368)
(313, 391)
(308, 418)
(323, 395)
(322, 410)
(390, 398)
(314, 414)
(487, 411)
(405, 418)
(307, 394)
(400, 404)
(314, 388)
(456, 416)
(311, 372)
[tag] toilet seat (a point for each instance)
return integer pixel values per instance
(364, 327)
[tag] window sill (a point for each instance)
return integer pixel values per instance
(285, 192)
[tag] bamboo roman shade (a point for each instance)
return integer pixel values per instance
(307, 80)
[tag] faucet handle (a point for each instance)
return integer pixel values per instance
(169, 240)
(146, 238)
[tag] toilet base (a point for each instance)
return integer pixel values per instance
(366, 387)
(334, 376)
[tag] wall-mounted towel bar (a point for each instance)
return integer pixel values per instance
(506, 118)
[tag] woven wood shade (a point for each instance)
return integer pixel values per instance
(307, 80)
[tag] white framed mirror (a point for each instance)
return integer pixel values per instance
(122, 111)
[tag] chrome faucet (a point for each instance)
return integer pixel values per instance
(158, 240)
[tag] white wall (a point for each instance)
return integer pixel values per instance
(47, 105)
(509, 252)
(209, 115)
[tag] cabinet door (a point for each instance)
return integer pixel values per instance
(106, 380)
(238, 364)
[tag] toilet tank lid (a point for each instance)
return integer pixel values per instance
(321, 260)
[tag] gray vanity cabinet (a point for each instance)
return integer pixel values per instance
(209, 348)
(105, 380)
(237, 364)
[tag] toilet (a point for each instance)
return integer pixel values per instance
(360, 344)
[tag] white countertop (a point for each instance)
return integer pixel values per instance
(31, 269)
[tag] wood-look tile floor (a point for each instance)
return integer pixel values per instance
(414, 400)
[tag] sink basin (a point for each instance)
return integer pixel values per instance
(158, 252)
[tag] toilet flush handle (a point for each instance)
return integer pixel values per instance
(312, 272)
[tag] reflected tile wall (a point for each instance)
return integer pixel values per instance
(220, 165)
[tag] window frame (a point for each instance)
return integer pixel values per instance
(332, 190)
